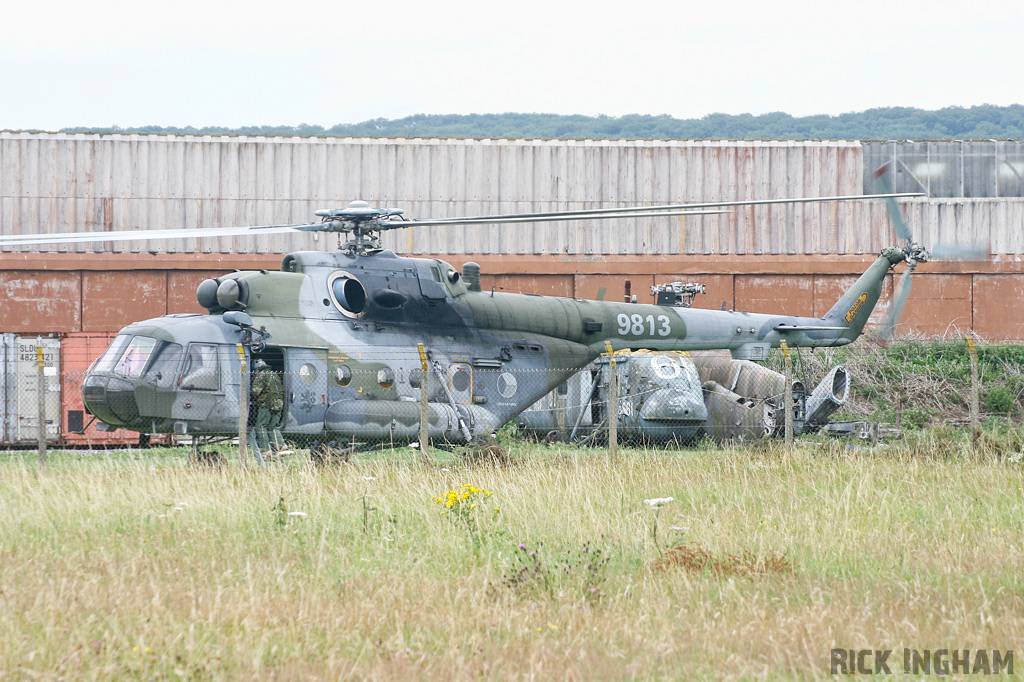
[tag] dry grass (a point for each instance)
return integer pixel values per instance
(137, 567)
(696, 559)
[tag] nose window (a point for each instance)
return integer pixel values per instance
(112, 354)
(135, 357)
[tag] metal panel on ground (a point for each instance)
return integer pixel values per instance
(25, 420)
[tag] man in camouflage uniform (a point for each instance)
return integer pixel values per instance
(267, 394)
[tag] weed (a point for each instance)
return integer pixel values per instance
(508, 433)
(464, 508)
(1000, 398)
(582, 572)
(280, 512)
(656, 504)
(914, 418)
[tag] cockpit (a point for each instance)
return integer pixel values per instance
(141, 357)
(124, 384)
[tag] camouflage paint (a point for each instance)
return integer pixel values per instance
(345, 327)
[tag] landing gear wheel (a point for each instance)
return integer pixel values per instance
(330, 452)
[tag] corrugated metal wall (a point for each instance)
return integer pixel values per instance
(950, 168)
(62, 182)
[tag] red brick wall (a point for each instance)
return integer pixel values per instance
(43, 293)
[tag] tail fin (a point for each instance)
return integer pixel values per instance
(853, 308)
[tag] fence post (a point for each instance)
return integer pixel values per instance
(41, 400)
(613, 403)
(424, 405)
(975, 392)
(243, 408)
(787, 395)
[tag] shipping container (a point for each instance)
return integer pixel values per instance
(22, 390)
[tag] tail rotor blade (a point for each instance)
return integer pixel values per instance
(898, 303)
(898, 223)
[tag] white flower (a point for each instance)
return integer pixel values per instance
(369, 478)
(299, 514)
(658, 502)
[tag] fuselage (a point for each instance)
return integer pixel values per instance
(344, 331)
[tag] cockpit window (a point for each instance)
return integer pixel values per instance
(202, 369)
(135, 357)
(165, 362)
(112, 354)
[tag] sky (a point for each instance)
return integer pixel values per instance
(199, 63)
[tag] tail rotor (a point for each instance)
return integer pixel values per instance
(915, 253)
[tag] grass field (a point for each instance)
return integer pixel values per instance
(136, 566)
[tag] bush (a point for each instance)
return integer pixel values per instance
(914, 418)
(1000, 398)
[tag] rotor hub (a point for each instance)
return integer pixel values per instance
(360, 220)
(915, 253)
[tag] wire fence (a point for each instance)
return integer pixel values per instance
(279, 402)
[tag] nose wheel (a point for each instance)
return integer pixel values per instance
(331, 452)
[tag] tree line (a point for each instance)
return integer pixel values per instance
(951, 123)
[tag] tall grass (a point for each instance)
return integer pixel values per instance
(129, 566)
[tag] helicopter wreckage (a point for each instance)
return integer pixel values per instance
(679, 397)
(342, 330)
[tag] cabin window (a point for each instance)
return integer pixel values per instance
(202, 368)
(135, 357)
(308, 374)
(161, 370)
(112, 354)
(460, 376)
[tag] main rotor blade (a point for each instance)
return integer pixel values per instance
(596, 212)
(898, 302)
(895, 214)
(535, 218)
(968, 252)
(142, 235)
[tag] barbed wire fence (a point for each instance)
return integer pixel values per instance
(330, 402)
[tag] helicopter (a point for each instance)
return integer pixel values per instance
(351, 331)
